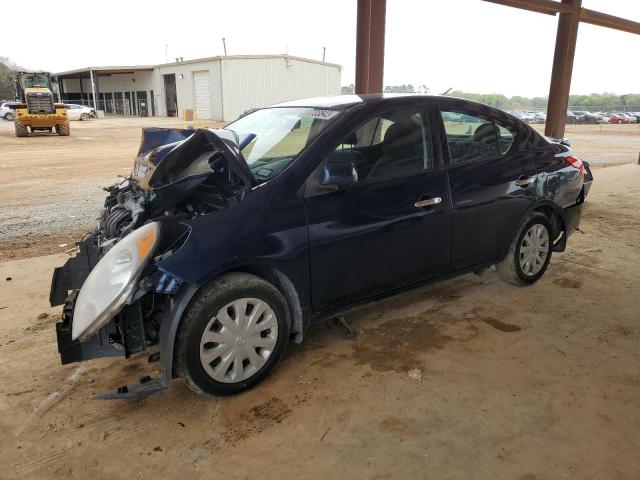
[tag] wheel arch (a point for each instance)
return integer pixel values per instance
(181, 302)
(552, 212)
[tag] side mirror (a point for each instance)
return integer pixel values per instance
(339, 170)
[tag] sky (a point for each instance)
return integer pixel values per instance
(468, 45)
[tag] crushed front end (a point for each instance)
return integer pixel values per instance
(117, 299)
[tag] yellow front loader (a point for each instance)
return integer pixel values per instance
(37, 110)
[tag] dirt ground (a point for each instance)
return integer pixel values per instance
(468, 378)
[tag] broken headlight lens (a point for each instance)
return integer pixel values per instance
(112, 281)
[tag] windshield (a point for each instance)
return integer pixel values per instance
(272, 137)
(30, 80)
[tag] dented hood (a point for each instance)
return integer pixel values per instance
(181, 159)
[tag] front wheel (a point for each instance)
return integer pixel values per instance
(21, 129)
(63, 129)
(232, 336)
(84, 116)
(529, 253)
(8, 116)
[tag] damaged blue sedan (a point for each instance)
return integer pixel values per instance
(225, 244)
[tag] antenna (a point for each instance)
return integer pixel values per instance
(324, 53)
(166, 52)
(446, 91)
(224, 45)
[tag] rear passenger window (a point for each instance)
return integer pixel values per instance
(472, 138)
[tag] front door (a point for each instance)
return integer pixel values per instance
(392, 227)
(492, 184)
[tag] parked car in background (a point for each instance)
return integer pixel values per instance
(618, 118)
(80, 112)
(631, 117)
(588, 117)
(224, 244)
(572, 117)
(5, 112)
(525, 116)
(541, 117)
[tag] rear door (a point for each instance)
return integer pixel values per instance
(492, 179)
(392, 227)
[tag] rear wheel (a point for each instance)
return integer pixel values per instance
(63, 129)
(232, 336)
(21, 128)
(8, 116)
(529, 253)
(84, 116)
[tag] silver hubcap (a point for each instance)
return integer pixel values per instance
(534, 249)
(238, 340)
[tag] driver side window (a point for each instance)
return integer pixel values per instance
(394, 144)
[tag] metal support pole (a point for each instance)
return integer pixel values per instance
(560, 87)
(370, 46)
(93, 91)
(376, 45)
(362, 46)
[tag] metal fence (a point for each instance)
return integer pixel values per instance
(590, 108)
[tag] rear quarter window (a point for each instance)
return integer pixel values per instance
(472, 138)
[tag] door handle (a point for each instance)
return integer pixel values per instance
(525, 181)
(428, 202)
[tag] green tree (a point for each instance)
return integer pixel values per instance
(348, 89)
(6, 84)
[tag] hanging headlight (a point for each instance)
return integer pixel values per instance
(112, 281)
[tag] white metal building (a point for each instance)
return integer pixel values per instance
(216, 88)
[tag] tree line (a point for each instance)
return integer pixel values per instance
(606, 101)
(7, 91)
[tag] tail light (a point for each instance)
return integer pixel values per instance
(575, 162)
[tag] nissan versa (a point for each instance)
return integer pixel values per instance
(224, 244)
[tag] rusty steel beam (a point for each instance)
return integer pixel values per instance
(370, 46)
(549, 7)
(571, 14)
(362, 46)
(609, 21)
(376, 45)
(562, 70)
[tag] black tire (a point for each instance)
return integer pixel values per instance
(21, 129)
(84, 116)
(510, 269)
(204, 307)
(63, 129)
(8, 116)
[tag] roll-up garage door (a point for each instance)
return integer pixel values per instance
(202, 94)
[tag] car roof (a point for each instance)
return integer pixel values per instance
(342, 102)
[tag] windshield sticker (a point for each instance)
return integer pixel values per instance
(320, 114)
(263, 172)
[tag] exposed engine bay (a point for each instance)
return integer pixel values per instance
(178, 175)
(195, 173)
